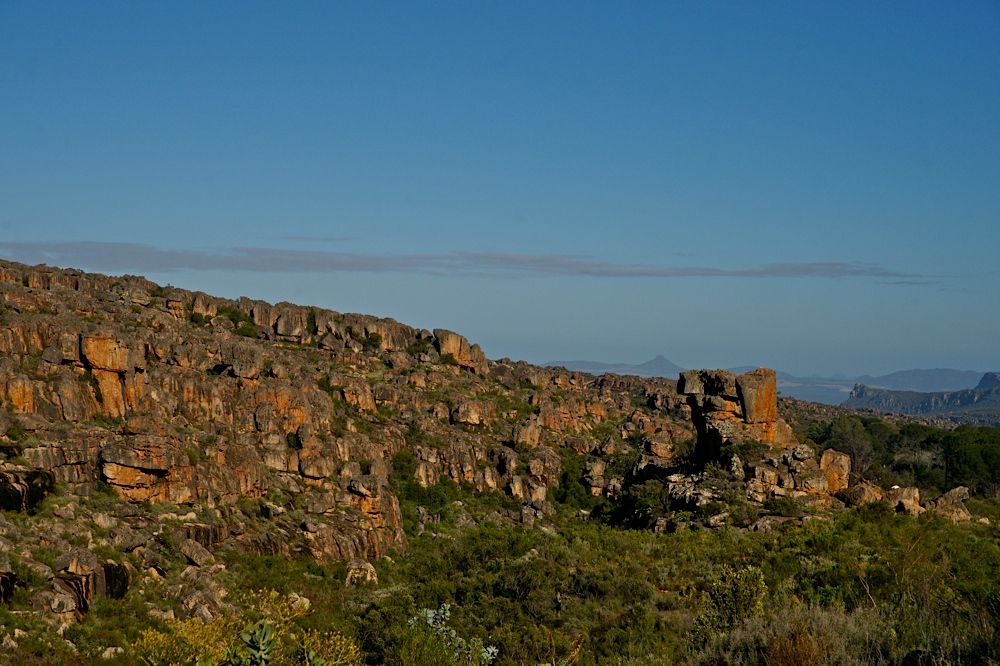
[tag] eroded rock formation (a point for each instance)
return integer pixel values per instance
(728, 408)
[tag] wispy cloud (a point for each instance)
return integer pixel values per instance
(316, 239)
(132, 257)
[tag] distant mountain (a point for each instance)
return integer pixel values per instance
(828, 390)
(835, 390)
(980, 405)
(924, 381)
(657, 367)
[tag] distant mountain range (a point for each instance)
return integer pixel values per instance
(657, 367)
(924, 381)
(828, 390)
(979, 405)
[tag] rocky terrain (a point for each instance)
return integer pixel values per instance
(143, 425)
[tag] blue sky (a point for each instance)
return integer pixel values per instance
(813, 187)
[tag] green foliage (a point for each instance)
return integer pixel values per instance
(311, 326)
(428, 640)
(333, 390)
(107, 422)
(930, 458)
(278, 637)
(734, 597)
(572, 490)
(15, 431)
(972, 458)
(782, 506)
(747, 451)
(243, 322)
(32, 362)
(88, 378)
(293, 441)
(193, 456)
(621, 463)
(259, 646)
(371, 343)
(449, 359)
(419, 346)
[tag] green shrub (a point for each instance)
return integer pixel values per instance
(735, 596)
(277, 638)
(428, 640)
(243, 322)
(419, 346)
(782, 506)
(15, 431)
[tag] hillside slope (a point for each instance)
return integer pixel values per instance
(164, 454)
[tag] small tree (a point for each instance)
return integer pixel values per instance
(734, 597)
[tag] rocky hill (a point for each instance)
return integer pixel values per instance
(655, 367)
(980, 405)
(144, 426)
(925, 381)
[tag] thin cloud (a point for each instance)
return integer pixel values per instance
(134, 257)
(316, 239)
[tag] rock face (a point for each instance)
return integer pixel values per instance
(990, 380)
(458, 347)
(727, 408)
(795, 473)
(172, 396)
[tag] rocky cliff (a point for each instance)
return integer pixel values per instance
(979, 406)
(172, 396)
(272, 429)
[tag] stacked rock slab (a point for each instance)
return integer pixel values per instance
(728, 408)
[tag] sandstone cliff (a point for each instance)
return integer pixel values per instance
(271, 429)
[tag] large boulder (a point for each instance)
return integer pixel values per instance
(242, 357)
(467, 356)
(863, 492)
(837, 468)
(951, 505)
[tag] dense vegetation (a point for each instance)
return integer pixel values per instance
(912, 454)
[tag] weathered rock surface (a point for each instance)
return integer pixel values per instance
(727, 408)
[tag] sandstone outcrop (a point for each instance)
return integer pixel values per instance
(728, 408)
(456, 346)
(172, 396)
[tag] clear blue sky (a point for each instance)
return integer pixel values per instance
(809, 186)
